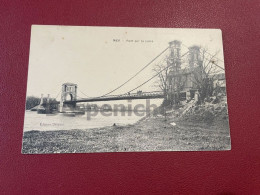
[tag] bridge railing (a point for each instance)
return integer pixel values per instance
(130, 94)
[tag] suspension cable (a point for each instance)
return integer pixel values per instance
(136, 73)
(58, 94)
(153, 76)
(83, 93)
(207, 58)
(148, 80)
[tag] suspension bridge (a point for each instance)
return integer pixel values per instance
(132, 96)
(173, 60)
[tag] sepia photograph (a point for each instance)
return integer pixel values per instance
(125, 89)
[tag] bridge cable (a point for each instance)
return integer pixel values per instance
(147, 80)
(208, 59)
(58, 94)
(205, 52)
(136, 73)
(152, 77)
(84, 93)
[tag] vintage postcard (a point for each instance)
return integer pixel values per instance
(121, 89)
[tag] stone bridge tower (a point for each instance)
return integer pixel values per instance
(174, 64)
(68, 93)
(195, 70)
(174, 60)
(195, 56)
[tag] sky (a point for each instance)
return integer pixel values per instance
(99, 59)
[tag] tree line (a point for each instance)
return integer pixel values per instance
(32, 101)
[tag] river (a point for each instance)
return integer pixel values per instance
(43, 122)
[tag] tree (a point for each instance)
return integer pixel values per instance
(163, 71)
(204, 74)
(169, 81)
(32, 101)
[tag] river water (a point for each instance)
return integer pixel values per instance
(43, 122)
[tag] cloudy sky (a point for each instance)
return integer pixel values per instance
(99, 59)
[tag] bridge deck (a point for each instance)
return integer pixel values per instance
(135, 96)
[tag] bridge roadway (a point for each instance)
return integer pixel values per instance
(132, 96)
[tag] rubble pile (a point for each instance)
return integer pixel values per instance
(208, 112)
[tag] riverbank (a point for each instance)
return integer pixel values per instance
(149, 134)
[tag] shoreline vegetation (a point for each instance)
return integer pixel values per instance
(201, 128)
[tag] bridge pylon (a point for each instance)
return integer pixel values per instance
(40, 108)
(68, 93)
